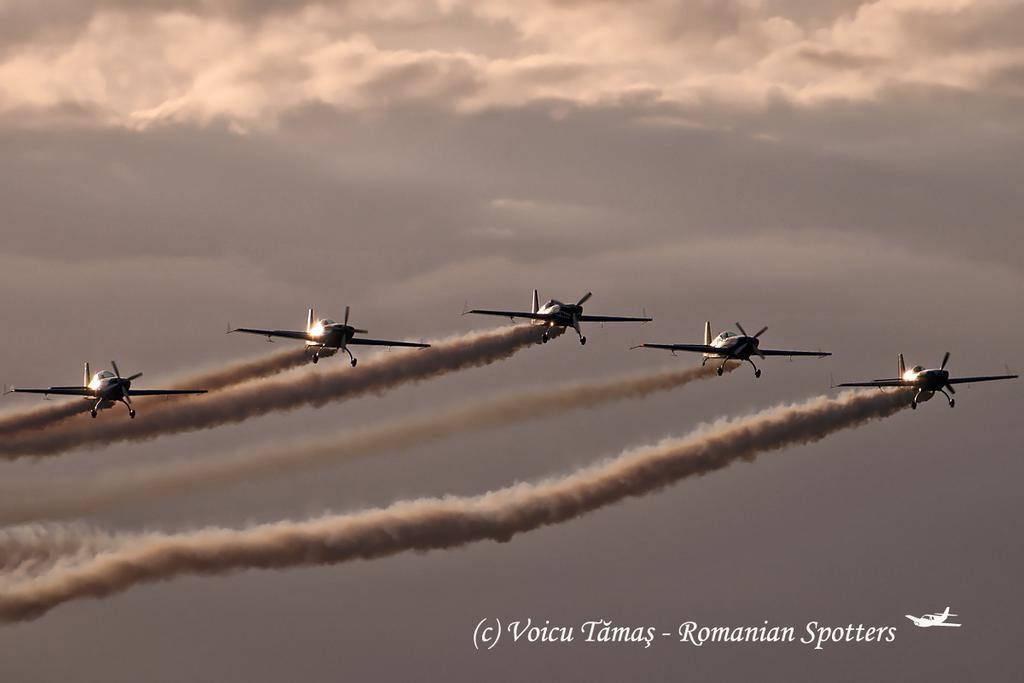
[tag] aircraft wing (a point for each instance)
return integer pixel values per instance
(511, 314)
(877, 383)
(612, 319)
(290, 334)
(779, 352)
(60, 391)
(988, 378)
(164, 392)
(695, 348)
(385, 342)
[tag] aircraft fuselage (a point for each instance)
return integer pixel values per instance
(927, 381)
(735, 346)
(333, 336)
(561, 314)
(108, 388)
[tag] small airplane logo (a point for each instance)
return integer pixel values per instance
(933, 619)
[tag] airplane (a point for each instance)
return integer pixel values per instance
(729, 346)
(559, 314)
(106, 388)
(926, 381)
(933, 619)
(328, 334)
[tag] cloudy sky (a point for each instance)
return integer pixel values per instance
(845, 172)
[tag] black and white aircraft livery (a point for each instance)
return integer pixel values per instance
(927, 381)
(729, 346)
(556, 313)
(107, 388)
(328, 334)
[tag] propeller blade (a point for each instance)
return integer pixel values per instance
(945, 359)
(584, 298)
(117, 373)
(760, 332)
(346, 315)
(135, 376)
(951, 389)
(742, 331)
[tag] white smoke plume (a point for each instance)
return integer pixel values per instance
(444, 522)
(52, 499)
(247, 400)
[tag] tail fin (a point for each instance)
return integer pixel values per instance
(707, 333)
(903, 367)
(87, 377)
(310, 319)
(536, 302)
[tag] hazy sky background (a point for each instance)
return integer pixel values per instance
(847, 173)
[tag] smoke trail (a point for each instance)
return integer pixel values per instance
(54, 499)
(31, 549)
(316, 388)
(446, 522)
(41, 416)
(243, 371)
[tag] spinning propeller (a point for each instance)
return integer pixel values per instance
(754, 337)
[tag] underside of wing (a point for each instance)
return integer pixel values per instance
(986, 378)
(60, 391)
(612, 319)
(288, 334)
(165, 392)
(876, 383)
(386, 342)
(695, 348)
(511, 314)
(783, 352)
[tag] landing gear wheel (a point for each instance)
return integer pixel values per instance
(914, 405)
(354, 361)
(757, 373)
(316, 358)
(131, 414)
(719, 371)
(952, 403)
(583, 341)
(93, 413)
(544, 338)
